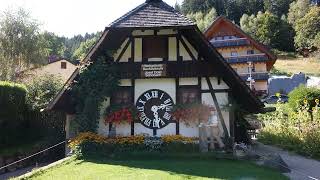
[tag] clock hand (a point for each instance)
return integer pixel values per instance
(162, 106)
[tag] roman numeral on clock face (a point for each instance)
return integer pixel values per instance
(167, 101)
(167, 116)
(147, 122)
(148, 96)
(154, 94)
(140, 108)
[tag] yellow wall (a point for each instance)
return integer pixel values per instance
(50, 69)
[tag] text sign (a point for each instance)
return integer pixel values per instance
(153, 70)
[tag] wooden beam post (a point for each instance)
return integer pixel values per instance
(214, 98)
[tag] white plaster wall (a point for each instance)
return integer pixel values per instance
(214, 82)
(188, 81)
(166, 84)
(167, 31)
(190, 130)
(103, 129)
(138, 50)
(184, 53)
(223, 103)
(170, 129)
(125, 82)
(172, 49)
(123, 129)
(140, 129)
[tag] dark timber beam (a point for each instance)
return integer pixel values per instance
(187, 48)
(226, 134)
(123, 50)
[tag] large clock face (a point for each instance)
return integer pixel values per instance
(155, 108)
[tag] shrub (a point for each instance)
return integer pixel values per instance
(12, 107)
(293, 130)
(86, 144)
(302, 95)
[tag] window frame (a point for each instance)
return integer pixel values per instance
(188, 87)
(163, 55)
(63, 65)
(130, 89)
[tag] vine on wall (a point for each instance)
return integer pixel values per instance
(96, 82)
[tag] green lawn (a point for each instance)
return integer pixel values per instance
(166, 168)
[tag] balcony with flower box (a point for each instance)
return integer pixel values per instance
(247, 58)
(230, 42)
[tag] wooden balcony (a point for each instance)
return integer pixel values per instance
(230, 42)
(255, 76)
(247, 58)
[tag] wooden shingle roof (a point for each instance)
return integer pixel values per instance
(152, 13)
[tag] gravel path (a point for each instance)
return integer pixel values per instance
(302, 168)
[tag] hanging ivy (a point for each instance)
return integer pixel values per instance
(96, 82)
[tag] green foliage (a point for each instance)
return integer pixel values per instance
(275, 71)
(13, 104)
(20, 43)
(232, 9)
(269, 29)
(203, 20)
(21, 121)
(42, 90)
(303, 95)
(96, 82)
(54, 45)
(308, 30)
(83, 49)
(277, 7)
(298, 9)
(293, 130)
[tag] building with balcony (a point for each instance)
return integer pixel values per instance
(249, 58)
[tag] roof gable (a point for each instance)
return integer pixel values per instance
(223, 25)
(152, 13)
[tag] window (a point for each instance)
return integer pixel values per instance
(63, 65)
(234, 53)
(155, 47)
(188, 94)
(123, 96)
(250, 51)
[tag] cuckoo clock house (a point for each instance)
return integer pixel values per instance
(164, 60)
(250, 59)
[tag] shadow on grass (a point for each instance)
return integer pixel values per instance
(198, 165)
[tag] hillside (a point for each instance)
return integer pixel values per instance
(290, 65)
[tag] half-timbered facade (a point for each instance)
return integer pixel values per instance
(250, 59)
(163, 60)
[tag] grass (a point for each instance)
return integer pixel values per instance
(157, 168)
(290, 65)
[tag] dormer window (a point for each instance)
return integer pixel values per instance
(155, 48)
(63, 65)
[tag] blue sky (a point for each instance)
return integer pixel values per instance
(71, 17)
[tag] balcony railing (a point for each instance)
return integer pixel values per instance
(246, 58)
(230, 42)
(255, 76)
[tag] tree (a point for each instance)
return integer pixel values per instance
(297, 10)
(307, 30)
(203, 20)
(277, 7)
(20, 43)
(54, 44)
(83, 49)
(269, 29)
